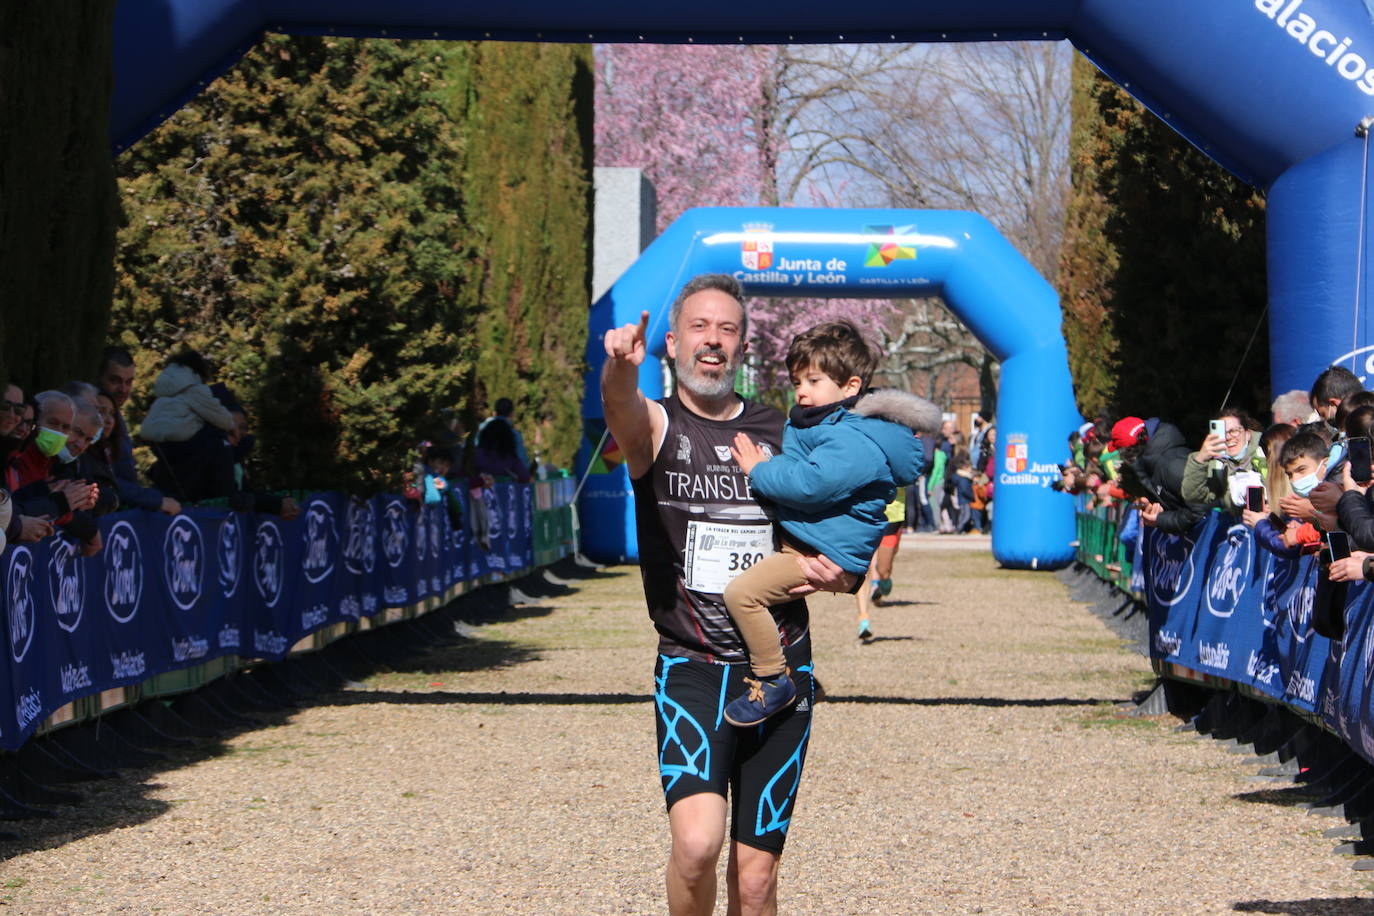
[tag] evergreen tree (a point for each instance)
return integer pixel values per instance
(57, 193)
(1172, 248)
(307, 223)
(528, 194)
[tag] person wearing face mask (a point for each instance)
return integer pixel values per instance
(1218, 473)
(18, 527)
(1317, 503)
(1331, 388)
(1304, 459)
(81, 460)
(30, 480)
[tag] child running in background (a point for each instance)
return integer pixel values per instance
(845, 452)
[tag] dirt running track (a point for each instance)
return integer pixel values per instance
(970, 760)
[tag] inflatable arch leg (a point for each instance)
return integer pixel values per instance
(879, 253)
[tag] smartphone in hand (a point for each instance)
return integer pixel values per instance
(1254, 499)
(1357, 448)
(1338, 542)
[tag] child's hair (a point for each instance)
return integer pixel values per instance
(1272, 443)
(1352, 403)
(1092, 449)
(1318, 429)
(1359, 421)
(1303, 445)
(435, 452)
(836, 348)
(193, 361)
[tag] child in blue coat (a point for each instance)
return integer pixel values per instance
(845, 452)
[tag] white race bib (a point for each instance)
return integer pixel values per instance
(715, 553)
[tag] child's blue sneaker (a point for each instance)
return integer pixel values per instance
(865, 630)
(765, 697)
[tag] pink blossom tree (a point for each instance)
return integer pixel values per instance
(710, 126)
(690, 116)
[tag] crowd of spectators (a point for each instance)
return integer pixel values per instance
(452, 462)
(954, 495)
(1294, 482)
(68, 453)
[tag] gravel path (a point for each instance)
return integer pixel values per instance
(970, 760)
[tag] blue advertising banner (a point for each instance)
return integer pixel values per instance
(1223, 606)
(168, 592)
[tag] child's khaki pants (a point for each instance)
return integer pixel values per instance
(748, 598)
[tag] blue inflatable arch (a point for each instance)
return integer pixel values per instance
(1271, 89)
(1274, 90)
(871, 254)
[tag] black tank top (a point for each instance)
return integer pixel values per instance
(698, 524)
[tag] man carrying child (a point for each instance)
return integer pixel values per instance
(845, 451)
(696, 518)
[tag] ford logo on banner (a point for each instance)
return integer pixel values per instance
(66, 587)
(229, 552)
(19, 587)
(1171, 567)
(1229, 574)
(1282, 575)
(360, 553)
(320, 537)
(1297, 605)
(269, 556)
(394, 533)
(183, 562)
(123, 572)
(493, 513)
(421, 534)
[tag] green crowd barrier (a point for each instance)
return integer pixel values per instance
(1099, 543)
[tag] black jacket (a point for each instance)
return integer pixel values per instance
(90, 466)
(1356, 519)
(1157, 475)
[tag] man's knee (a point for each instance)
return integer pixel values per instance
(756, 875)
(698, 829)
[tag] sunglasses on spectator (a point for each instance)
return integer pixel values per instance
(14, 407)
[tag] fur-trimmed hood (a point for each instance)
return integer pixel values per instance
(913, 412)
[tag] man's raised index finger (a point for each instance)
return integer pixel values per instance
(643, 324)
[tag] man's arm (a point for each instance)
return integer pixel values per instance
(635, 425)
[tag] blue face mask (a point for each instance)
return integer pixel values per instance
(1308, 482)
(65, 456)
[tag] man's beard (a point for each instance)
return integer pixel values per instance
(704, 386)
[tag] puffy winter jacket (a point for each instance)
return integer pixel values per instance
(1158, 475)
(184, 404)
(840, 468)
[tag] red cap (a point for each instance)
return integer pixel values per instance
(1127, 431)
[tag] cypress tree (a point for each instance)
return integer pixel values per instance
(527, 194)
(58, 208)
(1171, 247)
